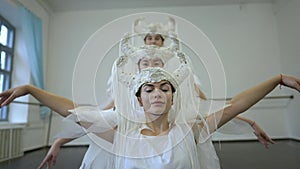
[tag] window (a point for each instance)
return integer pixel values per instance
(7, 37)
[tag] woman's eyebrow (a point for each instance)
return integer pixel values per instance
(165, 83)
(152, 85)
(148, 85)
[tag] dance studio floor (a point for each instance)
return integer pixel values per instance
(285, 154)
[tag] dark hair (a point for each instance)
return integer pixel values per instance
(138, 93)
(148, 34)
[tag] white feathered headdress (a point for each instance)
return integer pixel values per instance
(142, 27)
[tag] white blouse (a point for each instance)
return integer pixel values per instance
(175, 150)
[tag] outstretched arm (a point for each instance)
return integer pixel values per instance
(57, 103)
(110, 105)
(251, 96)
(199, 92)
(261, 135)
(52, 154)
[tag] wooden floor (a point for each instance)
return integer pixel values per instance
(233, 155)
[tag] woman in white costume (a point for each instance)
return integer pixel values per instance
(159, 127)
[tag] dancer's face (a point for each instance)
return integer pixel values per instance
(146, 62)
(154, 39)
(156, 98)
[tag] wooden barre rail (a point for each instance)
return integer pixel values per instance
(29, 103)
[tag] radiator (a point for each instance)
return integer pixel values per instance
(10, 143)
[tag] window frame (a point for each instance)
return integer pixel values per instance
(9, 50)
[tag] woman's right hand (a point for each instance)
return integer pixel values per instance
(9, 95)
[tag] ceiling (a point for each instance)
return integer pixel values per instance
(77, 5)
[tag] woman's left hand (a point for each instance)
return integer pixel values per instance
(262, 135)
(290, 81)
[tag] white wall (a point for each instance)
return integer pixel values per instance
(289, 40)
(245, 36)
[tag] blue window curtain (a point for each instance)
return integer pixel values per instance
(33, 37)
